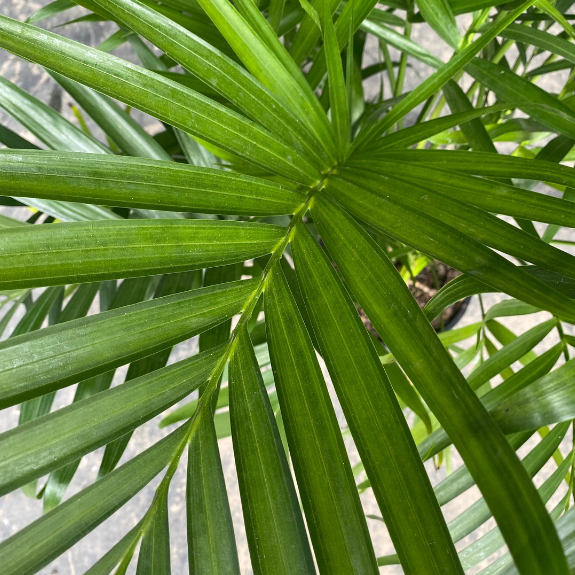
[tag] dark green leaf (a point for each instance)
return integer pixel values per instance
(114, 121)
(40, 446)
(149, 92)
(267, 67)
(382, 293)
(434, 82)
(407, 393)
(473, 130)
(61, 355)
(539, 367)
(154, 557)
(141, 183)
(211, 542)
(340, 118)
(91, 251)
(46, 538)
(485, 164)
(471, 221)
(398, 217)
(490, 195)
(550, 400)
(384, 442)
(169, 285)
(438, 14)
(512, 88)
(492, 541)
(333, 511)
(222, 74)
(124, 547)
(274, 525)
(353, 14)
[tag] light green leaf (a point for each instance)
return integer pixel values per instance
(461, 480)
(509, 354)
(492, 541)
(464, 286)
(534, 370)
(44, 122)
(479, 512)
(549, 9)
(407, 393)
(509, 307)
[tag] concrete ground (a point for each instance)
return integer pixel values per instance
(17, 511)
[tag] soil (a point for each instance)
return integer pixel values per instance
(423, 290)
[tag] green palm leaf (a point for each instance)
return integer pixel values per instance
(355, 249)
(303, 194)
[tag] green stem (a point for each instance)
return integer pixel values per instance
(212, 383)
(388, 66)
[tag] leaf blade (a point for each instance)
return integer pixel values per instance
(46, 538)
(479, 441)
(211, 542)
(64, 354)
(140, 183)
(274, 525)
(86, 425)
(384, 442)
(161, 97)
(93, 251)
(323, 472)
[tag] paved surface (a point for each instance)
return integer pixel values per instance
(16, 511)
